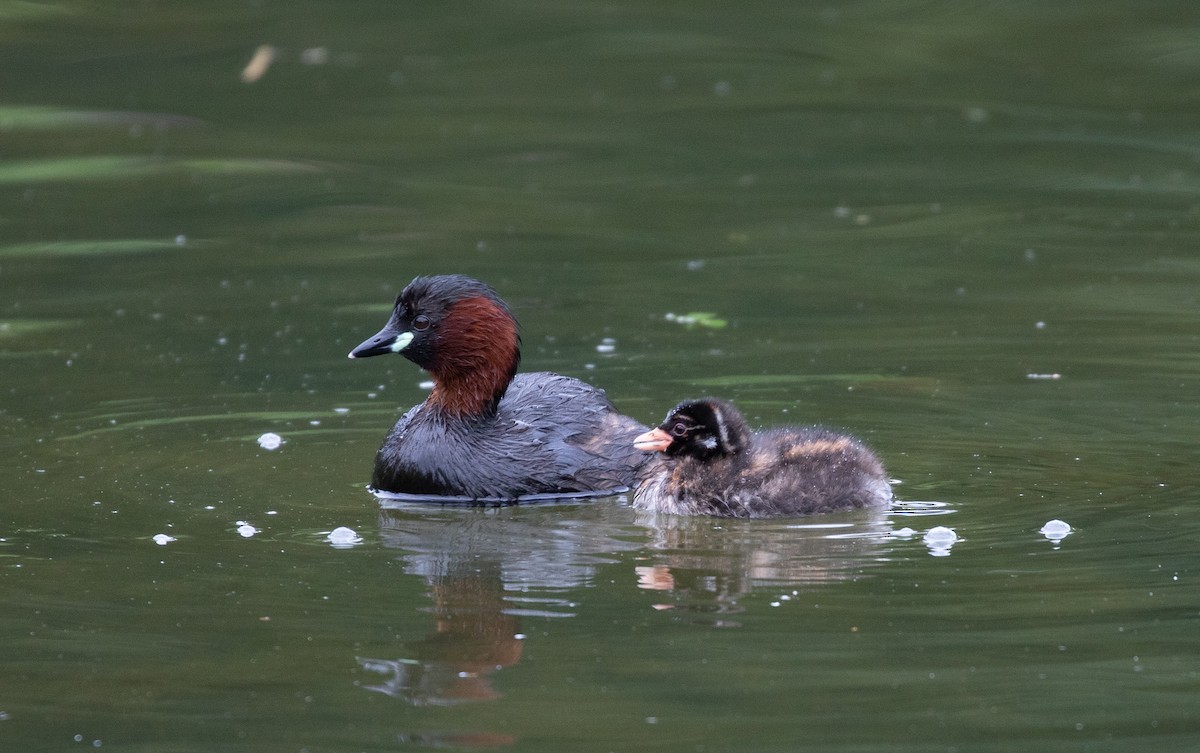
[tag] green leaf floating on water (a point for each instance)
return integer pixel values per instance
(22, 10)
(87, 248)
(41, 118)
(698, 319)
(242, 166)
(21, 327)
(73, 168)
(117, 167)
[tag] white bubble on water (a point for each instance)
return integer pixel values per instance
(163, 539)
(940, 539)
(1056, 530)
(941, 534)
(270, 441)
(343, 537)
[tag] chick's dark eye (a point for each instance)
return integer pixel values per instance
(679, 429)
(421, 323)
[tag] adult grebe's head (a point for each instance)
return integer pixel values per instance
(458, 330)
(704, 429)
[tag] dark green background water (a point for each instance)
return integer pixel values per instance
(900, 210)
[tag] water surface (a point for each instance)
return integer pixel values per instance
(966, 234)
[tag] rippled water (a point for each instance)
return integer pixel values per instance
(966, 233)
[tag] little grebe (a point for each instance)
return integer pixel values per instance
(486, 432)
(718, 466)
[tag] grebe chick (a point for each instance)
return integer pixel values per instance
(486, 432)
(718, 466)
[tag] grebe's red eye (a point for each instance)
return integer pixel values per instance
(679, 429)
(421, 323)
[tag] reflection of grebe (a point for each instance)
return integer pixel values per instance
(486, 569)
(473, 638)
(722, 468)
(486, 432)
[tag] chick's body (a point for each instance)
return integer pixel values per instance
(716, 465)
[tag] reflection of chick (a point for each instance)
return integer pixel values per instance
(702, 567)
(655, 578)
(723, 468)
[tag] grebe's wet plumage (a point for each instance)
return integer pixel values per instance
(718, 466)
(485, 431)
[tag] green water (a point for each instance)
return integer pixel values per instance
(965, 232)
